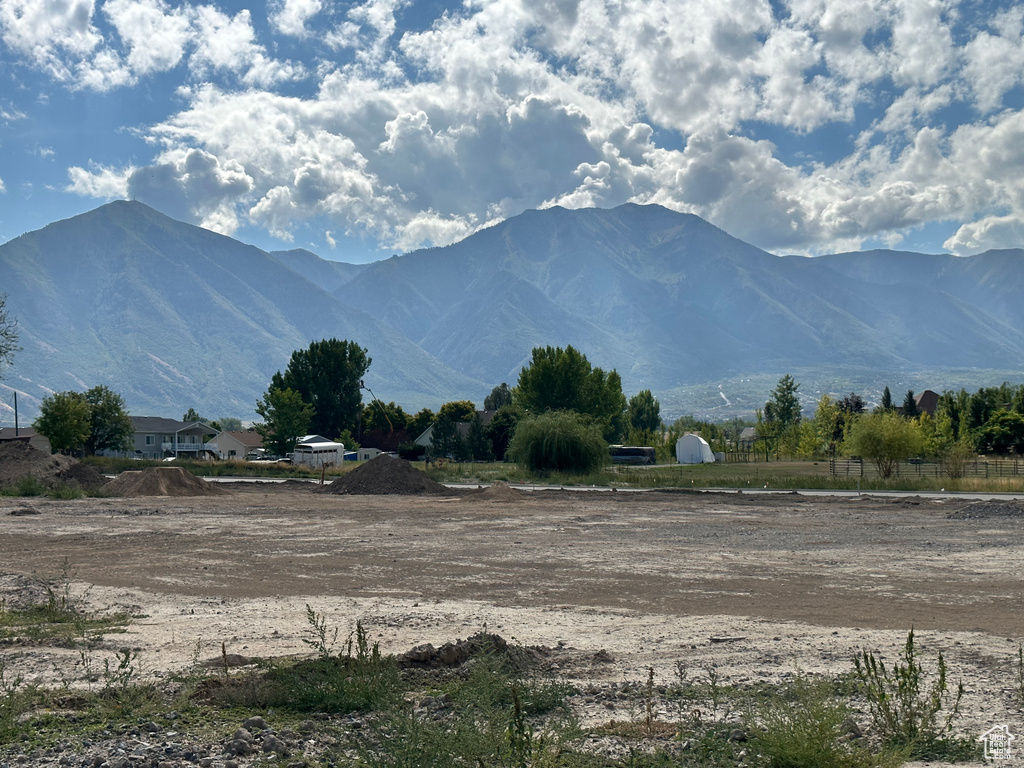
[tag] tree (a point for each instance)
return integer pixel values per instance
(644, 412)
(910, 409)
(230, 424)
(418, 424)
(478, 445)
(445, 440)
(884, 438)
(886, 404)
(780, 418)
(500, 397)
(559, 441)
(8, 335)
(64, 420)
(1002, 433)
(328, 376)
(286, 418)
(110, 426)
(191, 415)
(457, 410)
(501, 428)
(563, 379)
(384, 418)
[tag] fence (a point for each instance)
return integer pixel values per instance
(1013, 467)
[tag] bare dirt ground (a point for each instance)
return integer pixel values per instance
(793, 583)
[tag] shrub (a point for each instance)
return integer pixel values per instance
(559, 441)
(904, 710)
(806, 730)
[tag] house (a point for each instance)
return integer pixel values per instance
(747, 438)
(367, 454)
(158, 438)
(317, 451)
(426, 438)
(26, 435)
(237, 444)
(927, 402)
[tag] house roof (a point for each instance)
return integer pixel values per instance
(927, 401)
(158, 424)
(250, 438)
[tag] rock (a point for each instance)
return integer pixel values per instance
(255, 723)
(242, 735)
(272, 744)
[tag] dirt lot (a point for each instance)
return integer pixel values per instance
(793, 582)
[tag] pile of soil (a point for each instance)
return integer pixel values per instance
(19, 459)
(481, 644)
(161, 481)
(387, 475)
(979, 510)
(498, 492)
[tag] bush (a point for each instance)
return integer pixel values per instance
(558, 441)
(904, 710)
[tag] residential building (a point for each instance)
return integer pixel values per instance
(237, 444)
(158, 438)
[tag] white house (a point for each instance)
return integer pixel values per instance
(693, 449)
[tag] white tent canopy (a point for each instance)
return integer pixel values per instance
(693, 449)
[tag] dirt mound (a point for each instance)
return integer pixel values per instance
(19, 460)
(497, 492)
(980, 510)
(387, 475)
(161, 481)
(455, 654)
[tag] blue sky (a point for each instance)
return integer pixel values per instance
(362, 129)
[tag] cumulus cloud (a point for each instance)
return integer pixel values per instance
(416, 135)
(289, 17)
(192, 185)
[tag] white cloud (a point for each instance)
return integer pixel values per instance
(990, 232)
(289, 17)
(156, 35)
(192, 185)
(418, 137)
(99, 181)
(2, 187)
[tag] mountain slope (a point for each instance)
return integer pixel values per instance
(171, 315)
(667, 299)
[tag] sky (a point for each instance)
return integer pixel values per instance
(362, 129)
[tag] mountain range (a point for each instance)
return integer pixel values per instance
(173, 316)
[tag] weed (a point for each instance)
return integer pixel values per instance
(802, 727)
(904, 710)
(12, 702)
(321, 639)
(713, 689)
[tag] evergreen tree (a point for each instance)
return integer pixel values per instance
(886, 405)
(445, 440)
(910, 409)
(478, 445)
(644, 412)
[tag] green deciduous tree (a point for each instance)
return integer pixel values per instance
(64, 420)
(457, 410)
(328, 377)
(1002, 433)
(8, 335)
(418, 424)
(500, 397)
(286, 418)
(230, 424)
(384, 417)
(563, 379)
(110, 426)
(644, 412)
(885, 439)
(559, 441)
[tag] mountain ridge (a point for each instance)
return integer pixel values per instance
(174, 316)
